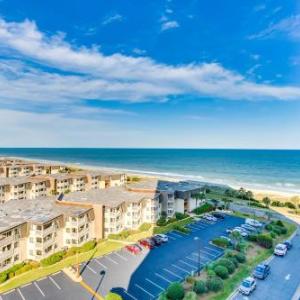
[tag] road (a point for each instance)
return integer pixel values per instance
(284, 279)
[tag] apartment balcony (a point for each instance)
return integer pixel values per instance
(6, 254)
(8, 240)
(44, 232)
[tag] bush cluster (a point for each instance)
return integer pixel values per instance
(18, 269)
(283, 204)
(206, 207)
(265, 241)
(221, 242)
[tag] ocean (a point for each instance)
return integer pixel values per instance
(277, 170)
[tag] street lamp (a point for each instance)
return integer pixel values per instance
(196, 238)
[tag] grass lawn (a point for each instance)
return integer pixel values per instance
(169, 227)
(102, 248)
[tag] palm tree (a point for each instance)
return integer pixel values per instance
(266, 201)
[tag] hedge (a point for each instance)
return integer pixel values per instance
(190, 296)
(113, 296)
(221, 242)
(240, 257)
(206, 207)
(226, 263)
(265, 241)
(52, 259)
(180, 216)
(145, 227)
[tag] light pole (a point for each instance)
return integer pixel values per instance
(199, 253)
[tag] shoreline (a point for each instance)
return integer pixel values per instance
(258, 192)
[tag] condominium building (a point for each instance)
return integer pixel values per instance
(35, 229)
(117, 209)
(22, 188)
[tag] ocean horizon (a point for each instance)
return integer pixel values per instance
(277, 170)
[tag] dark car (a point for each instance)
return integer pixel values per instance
(156, 240)
(218, 215)
(261, 271)
(288, 244)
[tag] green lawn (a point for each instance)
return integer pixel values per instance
(102, 248)
(169, 227)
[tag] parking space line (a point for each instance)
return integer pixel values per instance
(37, 286)
(171, 237)
(54, 282)
(30, 283)
(172, 273)
(196, 227)
(91, 269)
(8, 292)
(212, 249)
(158, 286)
(176, 234)
(40, 279)
(119, 255)
(100, 264)
(113, 261)
(56, 273)
(138, 286)
(21, 295)
(194, 260)
(192, 266)
(205, 252)
(182, 269)
(164, 278)
(127, 293)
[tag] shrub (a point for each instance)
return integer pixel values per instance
(277, 204)
(277, 230)
(265, 241)
(273, 235)
(175, 291)
(221, 242)
(252, 237)
(279, 223)
(241, 258)
(52, 259)
(221, 271)
(190, 296)
(145, 227)
(180, 216)
(211, 273)
(113, 296)
(199, 287)
(181, 228)
(290, 205)
(269, 227)
(228, 264)
(3, 277)
(90, 245)
(206, 207)
(34, 264)
(171, 220)
(234, 261)
(161, 221)
(190, 279)
(214, 284)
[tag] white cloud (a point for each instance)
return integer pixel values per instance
(169, 11)
(112, 19)
(289, 26)
(139, 51)
(86, 73)
(169, 25)
(259, 7)
(255, 56)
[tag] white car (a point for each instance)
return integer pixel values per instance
(247, 286)
(209, 217)
(280, 250)
(242, 232)
(163, 237)
(253, 222)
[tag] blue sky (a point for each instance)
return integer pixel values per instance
(164, 73)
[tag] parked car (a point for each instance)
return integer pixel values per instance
(147, 243)
(135, 248)
(247, 286)
(157, 240)
(218, 215)
(280, 250)
(242, 232)
(253, 222)
(249, 228)
(261, 271)
(163, 237)
(288, 244)
(209, 217)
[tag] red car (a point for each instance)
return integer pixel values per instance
(147, 243)
(134, 249)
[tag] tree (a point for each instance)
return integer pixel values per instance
(235, 237)
(175, 291)
(295, 200)
(266, 201)
(226, 203)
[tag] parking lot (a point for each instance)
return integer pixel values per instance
(57, 286)
(135, 277)
(146, 275)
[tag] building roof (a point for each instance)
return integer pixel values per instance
(40, 210)
(111, 197)
(21, 180)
